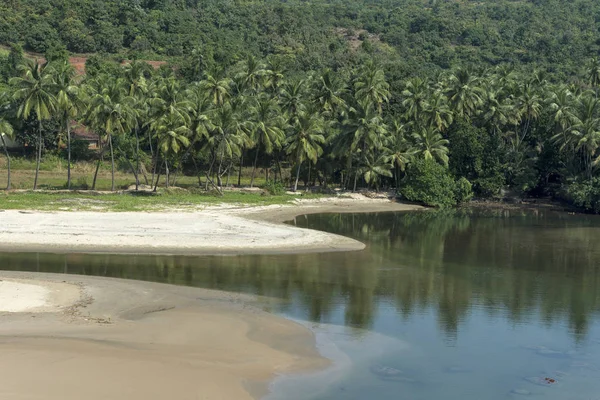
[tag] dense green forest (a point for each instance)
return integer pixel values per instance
(438, 100)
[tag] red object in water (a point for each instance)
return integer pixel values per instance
(550, 380)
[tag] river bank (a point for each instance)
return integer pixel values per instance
(97, 338)
(219, 229)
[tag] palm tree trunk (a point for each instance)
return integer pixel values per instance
(68, 153)
(308, 180)
(279, 168)
(167, 172)
(137, 158)
(112, 164)
(39, 155)
(355, 179)
(297, 176)
(7, 160)
(240, 171)
(219, 180)
(154, 161)
(158, 175)
(97, 168)
(254, 168)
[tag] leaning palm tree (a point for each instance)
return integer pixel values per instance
(328, 91)
(307, 134)
(431, 145)
(33, 91)
(6, 130)
(68, 104)
(266, 126)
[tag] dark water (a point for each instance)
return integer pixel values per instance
(458, 305)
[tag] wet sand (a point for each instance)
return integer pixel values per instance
(214, 230)
(120, 339)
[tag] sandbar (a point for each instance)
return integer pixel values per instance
(212, 230)
(118, 339)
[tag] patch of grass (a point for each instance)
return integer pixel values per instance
(182, 201)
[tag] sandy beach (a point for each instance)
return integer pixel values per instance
(213, 230)
(114, 339)
(98, 338)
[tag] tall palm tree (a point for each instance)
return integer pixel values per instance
(593, 72)
(251, 77)
(398, 149)
(414, 99)
(34, 92)
(111, 111)
(266, 125)
(6, 130)
(464, 92)
(68, 103)
(172, 134)
(228, 138)
(307, 135)
(328, 91)
(437, 113)
(430, 143)
(216, 89)
(292, 97)
(370, 84)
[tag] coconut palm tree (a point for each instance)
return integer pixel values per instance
(370, 84)
(6, 130)
(593, 72)
(398, 149)
(307, 135)
(228, 138)
(430, 143)
(464, 92)
(415, 98)
(68, 103)
(218, 90)
(266, 126)
(328, 91)
(437, 113)
(172, 134)
(292, 97)
(111, 111)
(34, 92)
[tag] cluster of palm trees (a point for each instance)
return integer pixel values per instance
(343, 126)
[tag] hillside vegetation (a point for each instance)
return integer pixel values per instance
(440, 101)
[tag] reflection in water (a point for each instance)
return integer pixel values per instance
(457, 305)
(510, 264)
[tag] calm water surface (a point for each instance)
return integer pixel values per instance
(460, 305)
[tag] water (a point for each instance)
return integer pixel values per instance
(458, 305)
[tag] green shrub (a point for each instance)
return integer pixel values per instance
(586, 195)
(274, 188)
(463, 190)
(429, 183)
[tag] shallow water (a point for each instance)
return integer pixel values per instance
(457, 305)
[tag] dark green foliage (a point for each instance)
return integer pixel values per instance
(430, 183)
(586, 194)
(476, 155)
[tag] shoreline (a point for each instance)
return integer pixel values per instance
(124, 339)
(219, 230)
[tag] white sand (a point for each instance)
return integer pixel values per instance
(36, 296)
(218, 230)
(19, 297)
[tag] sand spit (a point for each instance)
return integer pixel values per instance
(214, 230)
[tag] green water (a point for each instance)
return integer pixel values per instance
(457, 305)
